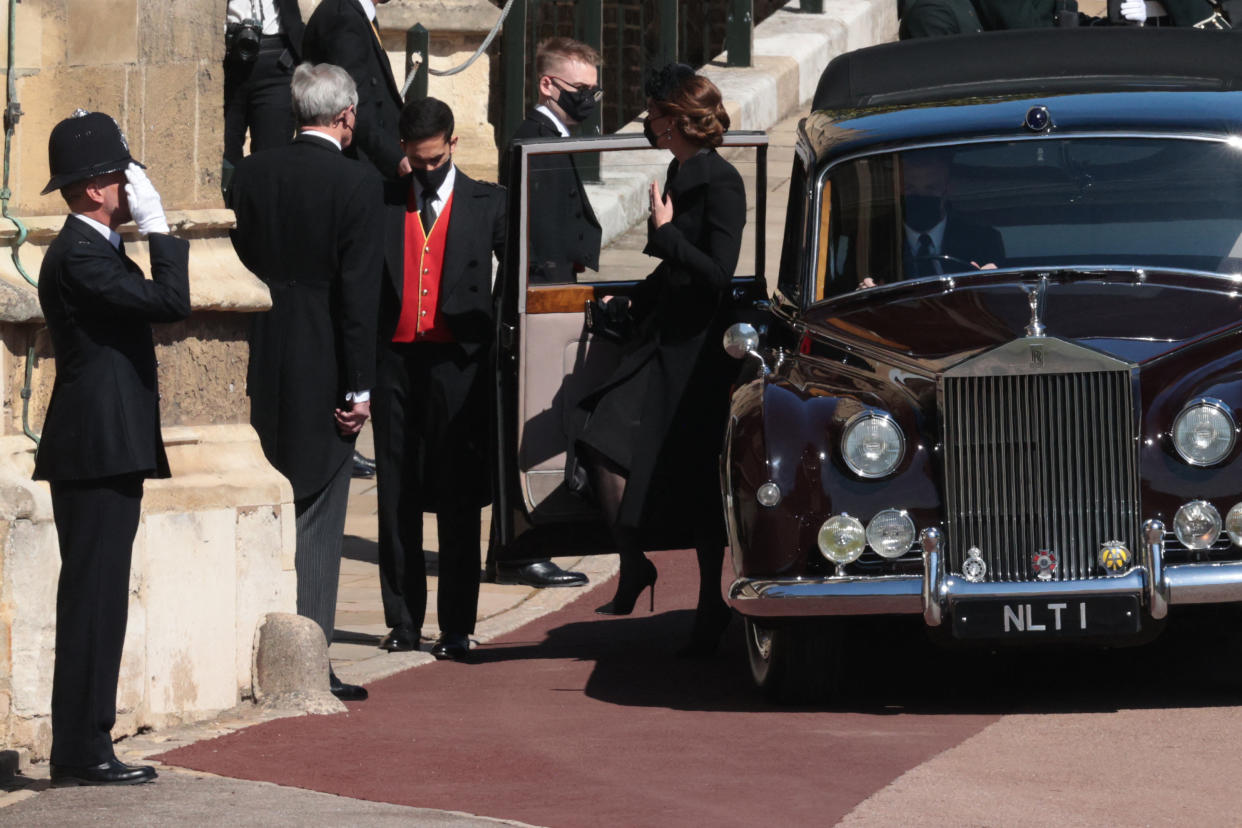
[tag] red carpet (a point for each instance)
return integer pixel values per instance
(577, 719)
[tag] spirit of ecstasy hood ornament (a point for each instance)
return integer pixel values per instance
(1036, 298)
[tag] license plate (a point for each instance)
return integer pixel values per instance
(1046, 618)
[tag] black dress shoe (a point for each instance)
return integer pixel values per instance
(539, 574)
(343, 691)
(451, 647)
(402, 639)
(112, 772)
(363, 466)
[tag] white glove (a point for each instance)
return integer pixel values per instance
(1134, 10)
(144, 201)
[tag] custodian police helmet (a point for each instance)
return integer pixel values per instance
(84, 145)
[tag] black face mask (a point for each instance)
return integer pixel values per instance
(578, 104)
(923, 212)
(432, 179)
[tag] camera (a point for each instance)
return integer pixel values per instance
(241, 40)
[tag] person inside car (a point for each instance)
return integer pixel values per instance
(935, 239)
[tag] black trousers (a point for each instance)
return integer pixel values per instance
(96, 521)
(256, 96)
(430, 422)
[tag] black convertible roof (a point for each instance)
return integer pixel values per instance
(1032, 62)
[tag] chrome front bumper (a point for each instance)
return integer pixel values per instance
(935, 591)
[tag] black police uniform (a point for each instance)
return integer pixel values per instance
(101, 438)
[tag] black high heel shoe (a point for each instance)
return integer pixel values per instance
(628, 590)
(709, 627)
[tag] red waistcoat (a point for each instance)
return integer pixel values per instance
(420, 319)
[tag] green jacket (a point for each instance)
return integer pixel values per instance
(933, 18)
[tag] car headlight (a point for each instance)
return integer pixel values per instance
(1204, 432)
(891, 533)
(842, 539)
(1197, 524)
(872, 444)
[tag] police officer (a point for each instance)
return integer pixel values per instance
(101, 435)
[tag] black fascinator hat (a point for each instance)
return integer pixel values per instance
(661, 84)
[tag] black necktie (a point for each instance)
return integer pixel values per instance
(427, 213)
(925, 246)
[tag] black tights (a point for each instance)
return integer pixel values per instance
(608, 480)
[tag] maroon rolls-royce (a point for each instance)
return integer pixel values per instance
(1001, 383)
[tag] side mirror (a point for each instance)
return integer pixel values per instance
(741, 339)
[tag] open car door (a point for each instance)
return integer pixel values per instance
(548, 359)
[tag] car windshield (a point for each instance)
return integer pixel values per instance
(1144, 202)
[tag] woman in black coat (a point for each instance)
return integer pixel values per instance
(654, 429)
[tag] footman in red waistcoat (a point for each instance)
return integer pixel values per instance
(430, 404)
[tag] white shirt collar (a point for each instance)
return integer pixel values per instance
(369, 8)
(442, 194)
(113, 237)
(555, 120)
(321, 135)
(936, 233)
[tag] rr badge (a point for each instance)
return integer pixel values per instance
(1114, 557)
(1044, 562)
(973, 568)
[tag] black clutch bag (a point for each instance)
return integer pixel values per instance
(611, 319)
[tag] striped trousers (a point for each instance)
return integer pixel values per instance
(320, 532)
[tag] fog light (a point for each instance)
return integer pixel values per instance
(1197, 524)
(842, 539)
(769, 494)
(1114, 557)
(891, 533)
(1233, 524)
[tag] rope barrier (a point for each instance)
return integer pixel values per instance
(416, 60)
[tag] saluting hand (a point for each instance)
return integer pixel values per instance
(145, 206)
(349, 421)
(661, 207)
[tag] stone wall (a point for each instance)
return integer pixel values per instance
(214, 552)
(457, 29)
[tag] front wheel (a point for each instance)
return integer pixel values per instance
(794, 664)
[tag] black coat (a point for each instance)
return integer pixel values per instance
(453, 398)
(564, 232)
(292, 25)
(661, 415)
(339, 32)
(104, 415)
(308, 225)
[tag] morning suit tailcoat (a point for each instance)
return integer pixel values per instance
(101, 438)
(339, 32)
(308, 225)
(476, 231)
(661, 415)
(432, 410)
(104, 416)
(564, 232)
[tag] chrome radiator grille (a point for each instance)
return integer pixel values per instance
(1039, 462)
